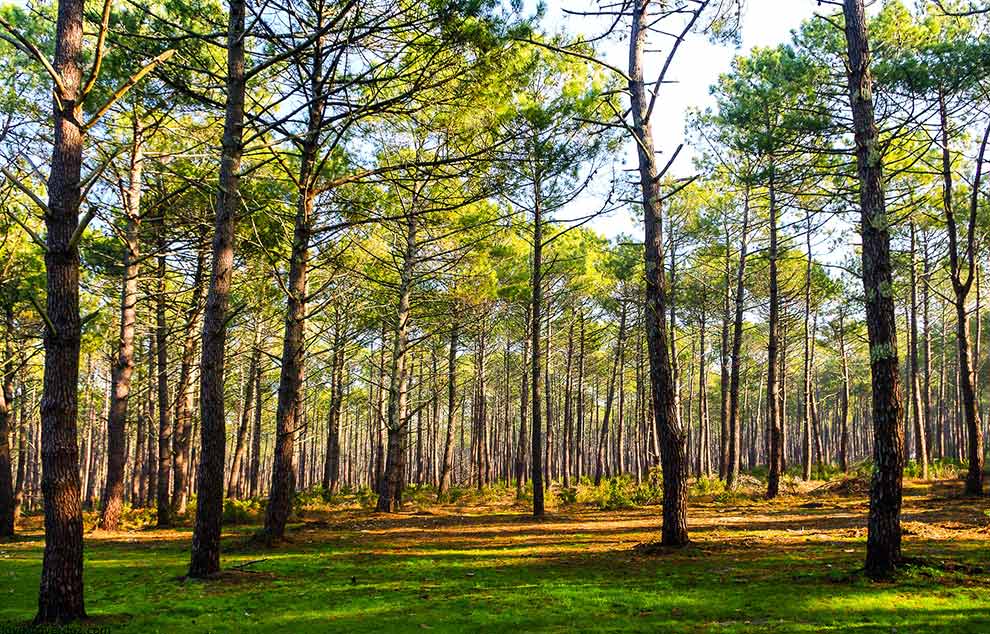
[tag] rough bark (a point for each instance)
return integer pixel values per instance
(205, 557)
(120, 390)
(60, 598)
(670, 433)
(6, 416)
(610, 396)
(731, 444)
(162, 502)
(390, 489)
(883, 544)
(774, 422)
(536, 356)
(447, 462)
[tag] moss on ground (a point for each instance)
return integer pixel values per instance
(785, 566)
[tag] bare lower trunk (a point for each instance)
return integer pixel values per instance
(120, 390)
(447, 463)
(183, 391)
(390, 489)
(731, 444)
(673, 458)
(883, 544)
(205, 557)
(162, 502)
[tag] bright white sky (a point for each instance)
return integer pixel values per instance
(697, 66)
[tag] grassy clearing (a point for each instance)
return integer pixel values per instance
(484, 565)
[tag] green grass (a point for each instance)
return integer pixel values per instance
(754, 567)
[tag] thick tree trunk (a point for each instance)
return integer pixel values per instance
(673, 458)
(60, 599)
(883, 544)
(205, 557)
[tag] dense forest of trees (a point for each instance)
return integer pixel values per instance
(342, 246)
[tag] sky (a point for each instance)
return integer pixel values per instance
(697, 66)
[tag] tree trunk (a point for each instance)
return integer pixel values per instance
(113, 493)
(390, 491)
(183, 390)
(205, 557)
(883, 545)
(774, 421)
(670, 433)
(732, 429)
(536, 361)
(60, 599)
(920, 440)
(447, 463)
(235, 488)
(610, 395)
(162, 502)
(6, 415)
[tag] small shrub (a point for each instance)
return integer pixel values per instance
(366, 497)
(567, 496)
(650, 492)
(706, 485)
(241, 511)
(613, 494)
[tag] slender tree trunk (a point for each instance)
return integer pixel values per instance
(920, 441)
(536, 359)
(732, 429)
(962, 274)
(162, 501)
(205, 556)
(843, 397)
(670, 432)
(120, 391)
(184, 392)
(6, 416)
(610, 395)
(390, 492)
(774, 419)
(447, 463)
(883, 544)
(806, 422)
(234, 483)
(254, 469)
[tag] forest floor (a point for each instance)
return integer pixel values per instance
(790, 565)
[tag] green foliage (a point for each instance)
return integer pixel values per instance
(707, 486)
(567, 496)
(612, 494)
(236, 512)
